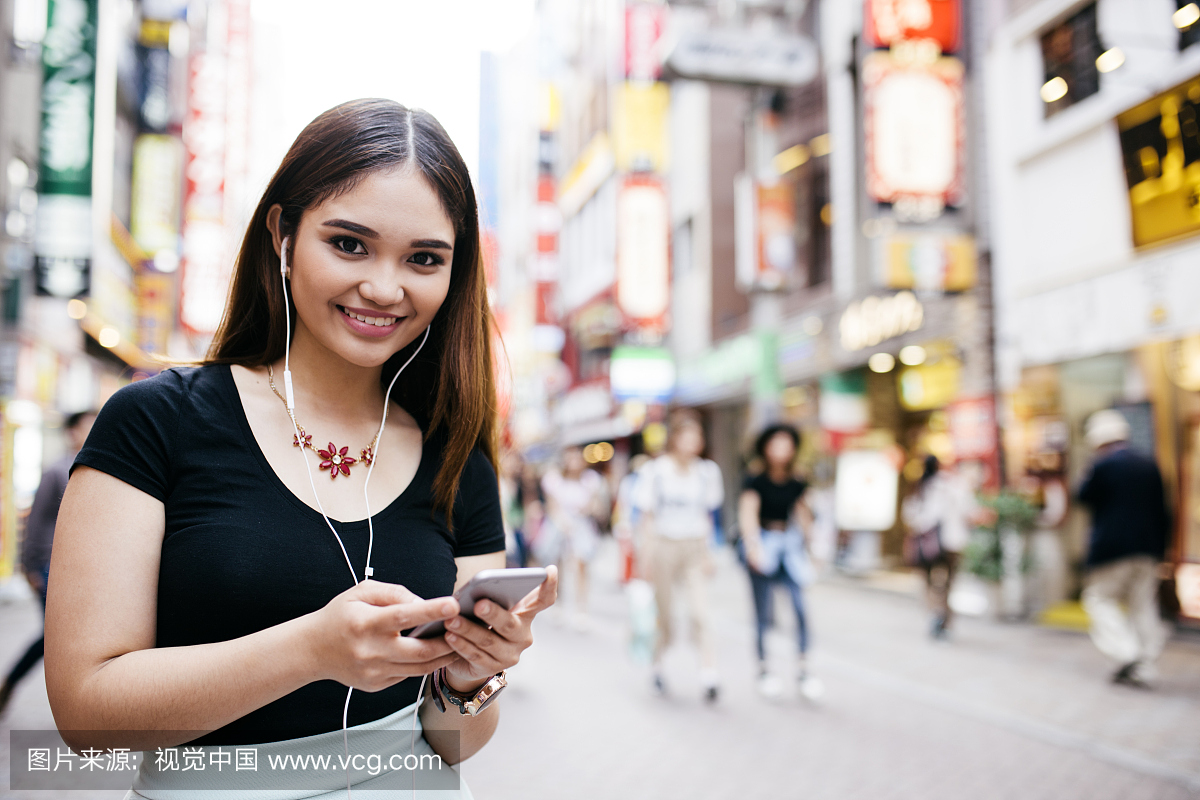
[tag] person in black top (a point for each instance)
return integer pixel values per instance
(773, 517)
(210, 566)
(1130, 527)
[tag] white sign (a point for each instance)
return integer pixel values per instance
(866, 491)
(741, 56)
(643, 252)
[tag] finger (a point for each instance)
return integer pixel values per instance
(417, 612)
(473, 653)
(378, 593)
(407, 649)
(546, 594)
(491, 640)
(500, 619)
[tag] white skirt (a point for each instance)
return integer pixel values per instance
(154, 783)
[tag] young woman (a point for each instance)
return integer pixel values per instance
(942, 506)
(773, 518)
(210, 568)
(676, 495)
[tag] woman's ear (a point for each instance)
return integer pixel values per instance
(273, 215)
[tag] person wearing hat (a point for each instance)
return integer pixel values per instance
(1124, 491)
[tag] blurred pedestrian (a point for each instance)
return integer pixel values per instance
(574, 498)
(511, 467)
(625, 516)
(531, 501)
(676, 495)
(938, 515)
(39, 538)
(1124, 491)
(774, 521)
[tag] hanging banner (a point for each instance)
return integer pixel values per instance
(775, 218)
(641, 139)
(643, 253)
(63, 239)
(886, 22)
(934, 262)
(913, 122)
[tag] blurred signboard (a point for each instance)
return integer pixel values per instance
(866, 490)
(886, 22)
(973, 427)
(644, 25)
(62, 243)
(928, 262)
(874, 319)
(1161, 148)
(732, 55)
(913, 121)
(157, 175)
(156, 310)
(643, 253)
(775, 218)
(642, 373)
(640, 127)
(933, 384)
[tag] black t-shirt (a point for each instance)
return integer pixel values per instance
(242, 553)
(777, 499)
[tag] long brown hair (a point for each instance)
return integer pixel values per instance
(450, 384)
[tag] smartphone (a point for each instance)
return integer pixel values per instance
(505, 587)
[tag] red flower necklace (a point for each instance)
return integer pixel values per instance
(332, 459)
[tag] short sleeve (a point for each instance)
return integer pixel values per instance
(715, 488)
(133, 434)
(478, 524)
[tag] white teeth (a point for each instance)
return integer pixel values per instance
(378, 322)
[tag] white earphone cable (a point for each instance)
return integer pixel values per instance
(367, 571)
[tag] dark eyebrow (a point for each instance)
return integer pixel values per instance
(353, 227)
(434, 244)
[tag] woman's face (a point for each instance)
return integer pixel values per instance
(371, 267)
(780, 450)
(688, 441)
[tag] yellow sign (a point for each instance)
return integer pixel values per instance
(930, 385)
(640, 129)
(1160, 141)
(929, 262)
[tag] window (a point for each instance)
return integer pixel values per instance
(1069, 53)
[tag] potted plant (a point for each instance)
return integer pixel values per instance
(998, 552)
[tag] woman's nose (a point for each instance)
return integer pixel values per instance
(383, 291)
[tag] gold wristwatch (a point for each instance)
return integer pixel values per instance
(468, 703)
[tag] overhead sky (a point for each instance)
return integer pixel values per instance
(311, 55)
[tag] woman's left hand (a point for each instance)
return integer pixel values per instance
(485, 650)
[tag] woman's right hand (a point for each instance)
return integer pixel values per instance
(356, 637)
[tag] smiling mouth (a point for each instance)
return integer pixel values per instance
(378, 322)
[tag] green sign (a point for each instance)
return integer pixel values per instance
(68, 97)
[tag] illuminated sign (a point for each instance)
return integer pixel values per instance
(1160, 141)
(644, 24)
(643, 252)
(875, 319)
(642, 373)
(928, 262)
(640, 129)
(886, 22)
(913, 121)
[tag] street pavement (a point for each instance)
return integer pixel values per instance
(999, 711)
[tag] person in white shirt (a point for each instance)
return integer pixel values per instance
(677, 494)
(574, 499)
(943, 501)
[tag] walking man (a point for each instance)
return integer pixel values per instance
(1129, 537)
(39, 536)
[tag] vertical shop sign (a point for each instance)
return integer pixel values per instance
(775, 219)
(913, 122)
(154, 217)
(886, 22)
(643, 253)
(640, 131)
(205, 280)
(644, 24)
(63, 241)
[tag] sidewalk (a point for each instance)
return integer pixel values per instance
(1000, 711)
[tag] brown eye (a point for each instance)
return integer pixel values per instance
(428, 260)
(349, 245)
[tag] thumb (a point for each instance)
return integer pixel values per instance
(378, 593)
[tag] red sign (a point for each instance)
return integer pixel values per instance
(886, 22)
(644, 25)
(973, 434)
(776, 234)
